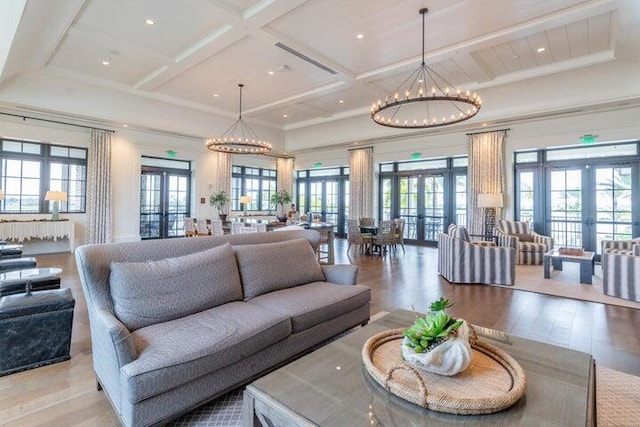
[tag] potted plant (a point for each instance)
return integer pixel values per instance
(220, 201)
(437, 342)
(281, 198)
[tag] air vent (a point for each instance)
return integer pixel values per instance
(305, 58)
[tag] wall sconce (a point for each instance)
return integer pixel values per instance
(56, 197)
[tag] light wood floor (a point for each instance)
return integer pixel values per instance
(64, 394)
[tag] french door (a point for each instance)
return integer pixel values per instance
(422, 204)
(588, 204)
(164, 202)
(325, 199)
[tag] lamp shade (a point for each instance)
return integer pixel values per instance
(245, 199)
(1, 194)
(490, 200)
(60, 196)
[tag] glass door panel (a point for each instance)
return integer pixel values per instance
(330, 208)
(461, 200)
(150, 205)
(433, 208)
(613, 216)
(408, 199)
(565, 218)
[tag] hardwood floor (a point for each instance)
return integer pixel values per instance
(64, 394)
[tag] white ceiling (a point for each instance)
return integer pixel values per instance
(198, 48)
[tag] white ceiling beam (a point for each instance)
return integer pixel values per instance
(10, 16)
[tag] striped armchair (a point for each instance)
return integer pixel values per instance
(529, 245)
(621, 268)
(460, 261)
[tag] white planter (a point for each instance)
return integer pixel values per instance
(448, 358)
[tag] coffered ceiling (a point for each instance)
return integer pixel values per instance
(301, 61)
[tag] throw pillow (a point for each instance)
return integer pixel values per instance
(150, 292)
(273, 266)
(524, 237)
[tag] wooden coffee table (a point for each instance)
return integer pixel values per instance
(330, 387)
(556, 259)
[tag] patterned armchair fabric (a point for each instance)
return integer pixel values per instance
(460, 261)
(530, 246)
(621, 268)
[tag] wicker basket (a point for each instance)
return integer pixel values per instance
(494, 381)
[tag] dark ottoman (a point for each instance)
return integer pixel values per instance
(35, 329)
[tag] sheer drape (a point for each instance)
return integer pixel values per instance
(223, 173)
(486, 174)
(99, 188)
(361, 183)
(284, 168)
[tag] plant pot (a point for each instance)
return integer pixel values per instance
(447, 358)
(223, 217)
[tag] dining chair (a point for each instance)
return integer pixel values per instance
(189, 227)
(367, 222)
(216, 227)
(202, 228)
(400, 222)
(386, 237)
(355, 237)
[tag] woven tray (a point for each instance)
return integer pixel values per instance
(494, 381)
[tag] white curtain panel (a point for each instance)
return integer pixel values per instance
(223, 172)
(486, 174)
(99, 188)
(284, 168)
(361, 183)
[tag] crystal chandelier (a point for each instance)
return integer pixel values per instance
(425, 99)
(239, 138)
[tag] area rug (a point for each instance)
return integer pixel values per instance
(617, 397)
(566, 284)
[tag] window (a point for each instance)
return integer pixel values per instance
(257, 183)
(29, 169)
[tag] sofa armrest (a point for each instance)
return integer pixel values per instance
(119, 339)
(508, 241)
(341, 274)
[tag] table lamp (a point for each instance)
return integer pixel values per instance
(245, 200)
(56, 197)
(489, 201)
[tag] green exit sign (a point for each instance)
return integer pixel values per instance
(171, 153)
(416, 155)
(588, 139)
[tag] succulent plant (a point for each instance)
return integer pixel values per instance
(432, 329)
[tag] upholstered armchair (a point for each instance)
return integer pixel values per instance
(621, 268)
(461, 261)
(530, 246)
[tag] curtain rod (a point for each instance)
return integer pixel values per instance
(489, 131)
(54, 121)
(359, 148)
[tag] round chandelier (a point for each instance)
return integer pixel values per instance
(239, 138)
(425, 99)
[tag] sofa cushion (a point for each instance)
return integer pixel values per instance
(181, 350)
(150, 292)
(311, 304)
(269, 267)
(532, 247)
(524, 237)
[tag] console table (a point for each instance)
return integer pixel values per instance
(27, 230)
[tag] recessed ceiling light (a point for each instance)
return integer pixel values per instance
(106, 62)
(341, 101)
(271, 73)
(515, 56)
(359, 36)
(285, 115)
(215, 95)
(149, 21)
(484, 124)
(540, 50)
(125, 125)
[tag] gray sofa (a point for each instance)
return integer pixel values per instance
(177, 322)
